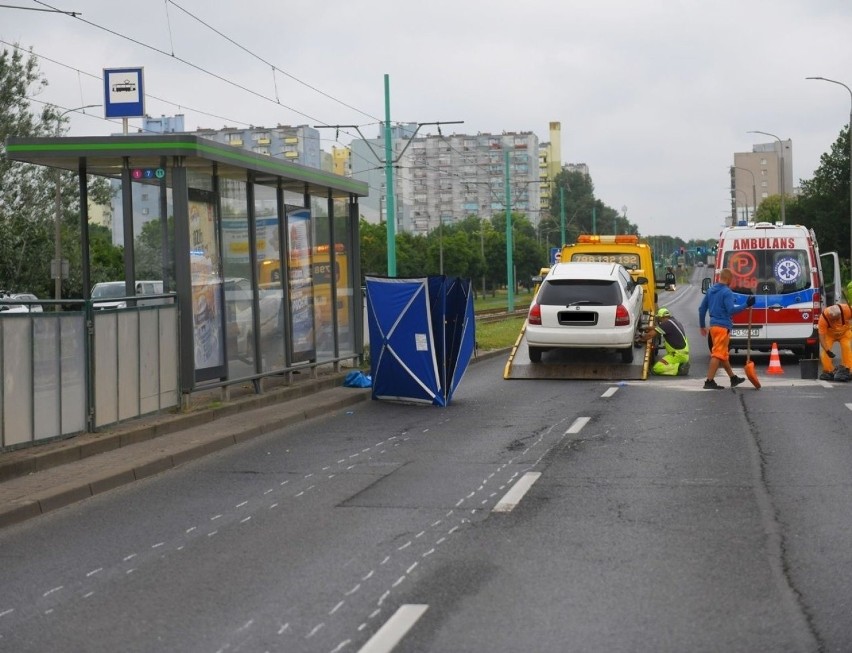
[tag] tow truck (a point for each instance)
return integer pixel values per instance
(634, 255)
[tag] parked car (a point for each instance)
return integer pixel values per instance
(238, 302)
(110, 294)
(11, 303)
(586, 305)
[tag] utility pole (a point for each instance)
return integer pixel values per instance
(510, 276)
(562, 215)
(388, 164)
(391, 200)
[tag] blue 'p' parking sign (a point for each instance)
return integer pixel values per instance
(124, 95)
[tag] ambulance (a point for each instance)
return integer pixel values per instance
(781, 265)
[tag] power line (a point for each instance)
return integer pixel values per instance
(272, 65)
(100, 79)
(188, 63)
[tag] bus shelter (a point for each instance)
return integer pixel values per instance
(260, 254)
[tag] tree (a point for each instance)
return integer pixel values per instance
(28, 192)
(26, 197)
(374, 258)
(148, 250)
(584, 214)
(823, 203)
(769, 209)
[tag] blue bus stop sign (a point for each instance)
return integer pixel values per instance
(124, 93)
(554, 255)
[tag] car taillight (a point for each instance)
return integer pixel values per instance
(534, 316)
(622, 317)
(817, 300)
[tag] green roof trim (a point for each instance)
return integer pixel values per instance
(182, 145)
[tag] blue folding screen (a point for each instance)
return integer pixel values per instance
(422, 335)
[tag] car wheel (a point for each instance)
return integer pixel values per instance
(627, 355)
(535, 354)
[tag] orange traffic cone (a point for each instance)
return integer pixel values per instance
(774, 361)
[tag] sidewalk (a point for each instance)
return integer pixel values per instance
(42, 478)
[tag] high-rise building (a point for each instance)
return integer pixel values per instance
(549, 163)
(446, 179)
(758, 174)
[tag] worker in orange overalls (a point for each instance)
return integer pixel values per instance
(835, 325)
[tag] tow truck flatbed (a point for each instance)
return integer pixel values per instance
(576, 363)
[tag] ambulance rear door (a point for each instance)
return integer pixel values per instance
(831, 278)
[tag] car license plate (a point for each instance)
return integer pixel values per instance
(742, 333)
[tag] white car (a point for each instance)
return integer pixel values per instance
(586, 305)
(11, 303)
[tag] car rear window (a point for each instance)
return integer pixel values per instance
(564, 292)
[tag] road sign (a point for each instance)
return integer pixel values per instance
(554, 255)
(124, 93)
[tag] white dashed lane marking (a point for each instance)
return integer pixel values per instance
(513, 497)
(394, 629)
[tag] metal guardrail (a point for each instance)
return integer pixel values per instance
(64, 372)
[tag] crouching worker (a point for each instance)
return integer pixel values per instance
(675, 362)
(835, 325)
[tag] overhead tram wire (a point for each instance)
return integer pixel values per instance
(100, 80)
(188, 63)
(268, 63)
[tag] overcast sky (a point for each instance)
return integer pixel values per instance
(655, 96)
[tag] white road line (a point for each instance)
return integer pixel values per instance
(513, 497)
(578, 425)
(394, 629)
(849, 406)
(610, 392)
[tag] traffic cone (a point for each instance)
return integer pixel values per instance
(774, 361)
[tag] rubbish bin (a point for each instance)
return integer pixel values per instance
(809, 367)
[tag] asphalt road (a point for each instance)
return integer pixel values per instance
(659, 517)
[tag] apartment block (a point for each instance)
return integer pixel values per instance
(449, 178)
(758, 174)
(299, 144)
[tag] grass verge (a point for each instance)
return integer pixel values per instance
(498, 335)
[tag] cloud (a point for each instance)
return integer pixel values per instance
(654, 96)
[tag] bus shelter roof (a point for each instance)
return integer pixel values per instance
(105, 157)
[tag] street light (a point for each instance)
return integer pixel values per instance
(781, 162)
(825, 79)
(740, 190)
(57, 237)
(753, 188)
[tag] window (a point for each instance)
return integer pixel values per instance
(564, 292)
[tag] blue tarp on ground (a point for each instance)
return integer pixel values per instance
(422, 335)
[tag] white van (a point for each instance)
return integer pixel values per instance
(780, 265)
(110, 294)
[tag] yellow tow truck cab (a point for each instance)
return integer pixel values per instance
(627, 250)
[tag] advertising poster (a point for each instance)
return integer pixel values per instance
(301, 286)
(206, 287)
(236, 246)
